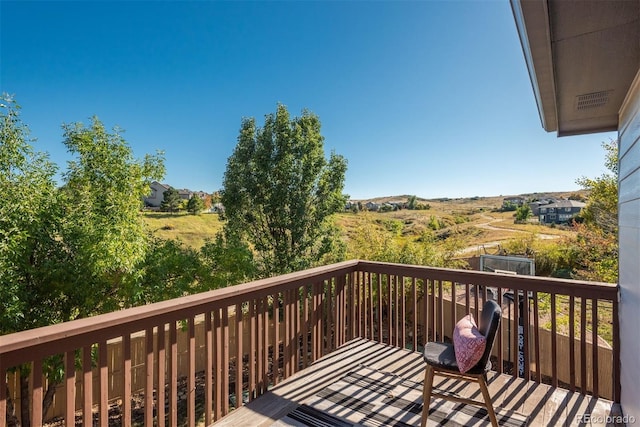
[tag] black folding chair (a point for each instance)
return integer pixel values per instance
(440, 358)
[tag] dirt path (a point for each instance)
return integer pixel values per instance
(492, 244)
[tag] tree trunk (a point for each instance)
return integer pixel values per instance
(12, 420)
(25, 415)
(48, 397)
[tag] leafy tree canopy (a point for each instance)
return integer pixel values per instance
(195, 205)
(171, 200)
(597, 242)
(601, 211)
(280, 190)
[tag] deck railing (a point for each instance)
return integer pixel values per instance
(230, 345)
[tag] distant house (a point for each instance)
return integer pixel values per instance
(559, 212)
(513, 201)
(156, 196)
(535, 206)
(217, 208)
(371, 206)
(201, 194)
(185, 194)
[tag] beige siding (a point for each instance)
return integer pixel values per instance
(629, 220)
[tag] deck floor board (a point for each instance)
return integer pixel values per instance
(544, 404)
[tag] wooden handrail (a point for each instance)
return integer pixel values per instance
(73, 334)
(291, 320)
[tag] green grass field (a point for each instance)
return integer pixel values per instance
(475, 221)
(192, 230)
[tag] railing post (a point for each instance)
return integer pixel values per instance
(70, 388)
(616, 351)
(3, 393)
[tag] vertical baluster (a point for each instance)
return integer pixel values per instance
(239, 354)
(3, 393)
(360, 305)
(217, 362)
(148, 378)
(87, 387)
(126, 370)
(594, 348)
(338, 319)
(369, 295)
(467, 298)
(390, 309)
(434, 324)
(315, 320)
(265, 340)
(260, 347)
(287, 344)
(70, 388)
(328, 328)
(414, 297)
(380, 317)
(225, 362)
(252, 349)
(583, 345)
(351, 305)
(173, 374)
(526, 322)
(454, 306)
(616, 351)
(208, 369)
(403, 313)
(514, 332)
(191, 377)
(476, 301)
(425, 311)
(295, 333)
(572, 347)
(104, 384)
(554, 345)
(441, 309)
(500, 367)
(305, 328)
(277, 338)
(36, 393)
(536, 337)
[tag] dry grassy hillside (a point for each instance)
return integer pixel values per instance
(476, 221)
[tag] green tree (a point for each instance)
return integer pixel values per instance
(601, 210)
(171, 200)
(169, 270)
(523, 213)
(29, 226)
(195, 205)
(280, 191)
(412, 203)
(30, 248)
(66, 252)
(225, 261)
(104, 230)
(597, 241)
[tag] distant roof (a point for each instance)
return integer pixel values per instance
(565, 204)
(161, 185)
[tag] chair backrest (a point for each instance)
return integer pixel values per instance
(489, 322)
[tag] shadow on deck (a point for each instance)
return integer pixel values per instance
(540, 404)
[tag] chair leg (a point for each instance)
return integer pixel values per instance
(487, 400)
(426, 394)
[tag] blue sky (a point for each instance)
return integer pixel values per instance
(428, 98)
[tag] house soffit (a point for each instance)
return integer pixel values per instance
(582, 57)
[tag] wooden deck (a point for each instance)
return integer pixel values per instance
(544, 405)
